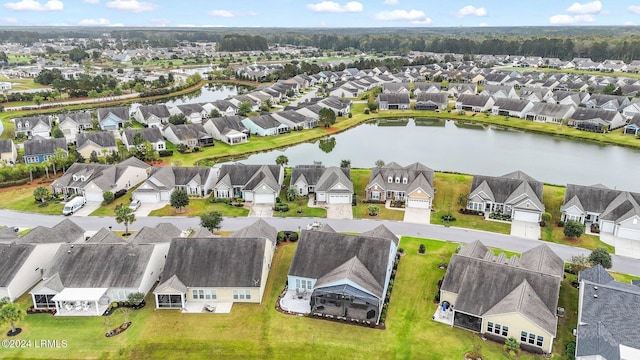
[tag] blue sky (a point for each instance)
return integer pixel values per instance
(317, 13)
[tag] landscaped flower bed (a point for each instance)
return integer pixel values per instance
(120, 329)
(32, 310)
(471, 212)
(498, 216)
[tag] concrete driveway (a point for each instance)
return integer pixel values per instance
(145, 209)
(339, 211)
(417, 216)
(88, 208)
(525, 229)
(261, 210)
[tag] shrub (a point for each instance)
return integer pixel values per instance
(278, 200)
(366, 111)
(560, 223)
(165, 153)
(422, 249)
(221, 200)
(573, 229)
(512, 345)
(281, 207)
(401, 250)
(293, 237)
(108, 197)
(448, 218)
(570, 350)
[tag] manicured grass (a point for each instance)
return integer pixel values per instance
(198, 207)
(21, 199)
(253, 331)
(555, 234)
(22, 84)
(569, 301)
(110, 210)
(360, 179)
(300, 203)
(448, 188)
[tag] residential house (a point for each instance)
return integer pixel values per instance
(615, 212)
(570, 98)
(77, 283)
(342, 276)
(607, 317)
(163, 181)
(535, 94)
(74, 123)
(607, 102)
(396, 88)
(431, 101)
(393, 101)
(305, 177)
(137, 137)
(632, 109)
(152, 115)
(499, 91)
(633, 127)
(21, 267)
(392, 182)
(341, 107)
(103, 143)
(92, 180)
(228, 129)
(295, 120)
(260, 184)
(549, 112)
(596, 119)
(190, 135)
(31, 126)
(515, 194)
(8, 152)
(498, 78)
(425, 87)
(224, 107)
(475, 103)
(264, 125)
(194, 113)
(331, 185)
(511, 107)
(457, 89)
(113, 118)
(207, 273)
(502, 297)
(39, 150)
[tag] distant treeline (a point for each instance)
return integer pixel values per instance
(598, 43)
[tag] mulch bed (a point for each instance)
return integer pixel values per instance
(119, 330)
(31, 310)
(14, 333)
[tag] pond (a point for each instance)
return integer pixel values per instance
(472, 148)
(209, 92)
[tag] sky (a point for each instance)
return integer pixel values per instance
(317, 13)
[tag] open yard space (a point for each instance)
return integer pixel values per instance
(198, 207)
(360, 179)
(298, 207)
(253, 331)
(21, 199)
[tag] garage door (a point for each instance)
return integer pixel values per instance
(146, 198)
(263, 198)
(339, 199)
(525, 216)
(94, 197)
(420, 204)
(629, 234)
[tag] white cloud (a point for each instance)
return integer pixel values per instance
(416, 17)
(334, 7)
(391, 2)
(92, 1)
(94, 22)
(33, 5)
(133, 6)
(586, 8)
(471, 10)
(230, 14)
(629, 23)
(198, 26)
(634, 9)
(9, 20)
(160, 22)
(483, 24)
(571, 20)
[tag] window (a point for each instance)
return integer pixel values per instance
(404, 180)
(375, 195)
(523, 336)
(497, 329)
(210, 294)
(532, 338)
(398, 180)
(160, 146)
(390, 179)
(505, 331)
(489, 327)
(197, 294)
(297, 283)
(540, 340)
(241, 294)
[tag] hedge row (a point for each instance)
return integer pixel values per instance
(7, 184)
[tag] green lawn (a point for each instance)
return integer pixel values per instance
(360, 179)
(21, 199)
(198, 207)
(301, 203)
(110, 210)
(253, 331)
(22, 84)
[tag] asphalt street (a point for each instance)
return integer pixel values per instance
(620, 263)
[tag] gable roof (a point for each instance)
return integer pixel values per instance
(591, 198)
(216, 262)
(159, 110)
(249, 176)
(225, 124)
(259, 229)
(80, 117)
(150, 134)
(511, 104)
(162, 233)
(394, 98)
(309, 173)
(6, 145)
(188, 131)
(331, 177)
(64, 232)
(438, 98)
(354, 270)
(12, 257)
(320, 253)
(105, 236)
(40, 146)
(473, 100)
(102, 138)
(100, 265)
(380, 176)
(506, 187)
(122, 112)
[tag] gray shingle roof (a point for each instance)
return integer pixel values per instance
(438, 98)
(162, 233)
(609, 315)
(121, 112)
(504, 187)
(265, 121)
(189, 131)
(216, 262)
(102, 138)
(332, 176)
(482, 281)
(411, 172)
(65, 231)
(159, 110)
(12, 257)
(259, 229)
(320, 253)
(100, 265)
(394, 98)
(582, 114)
(510, 104)
(106, 236)
(310, 173)
(227, 123)
(6, 145)
(40, 146)
(473, 100)
(80, 117)
(151, 134)
(592, 198)
(247, 176)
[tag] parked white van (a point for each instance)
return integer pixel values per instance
(73, 205)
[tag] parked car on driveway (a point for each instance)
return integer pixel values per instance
(134, 205)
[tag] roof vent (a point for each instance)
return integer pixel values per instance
(595, 288)
(68, 251)
(595, 296)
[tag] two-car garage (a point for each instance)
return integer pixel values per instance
(520, 215)
(339, 199)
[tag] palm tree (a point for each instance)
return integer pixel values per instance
(125, 215)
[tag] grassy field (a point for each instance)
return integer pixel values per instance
(198, 207)
(22, 84)
(253, 331)
(21, 199)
